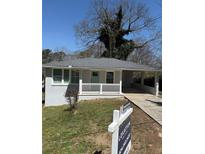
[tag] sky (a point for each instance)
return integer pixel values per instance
(60, 16)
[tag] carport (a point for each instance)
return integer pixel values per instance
(133, 81)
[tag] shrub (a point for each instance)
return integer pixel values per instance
(72, 97)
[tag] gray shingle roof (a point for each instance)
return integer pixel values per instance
(100, 63)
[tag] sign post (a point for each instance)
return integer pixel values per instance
(121, 130)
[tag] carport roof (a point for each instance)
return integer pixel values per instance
(99, 63)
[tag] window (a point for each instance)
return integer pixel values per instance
(57, 75)
(66, 76)
(109, 77)
(75, 76)
(60, 75)
(95, 74)
(95, 77)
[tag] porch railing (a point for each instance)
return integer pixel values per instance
(99, 88)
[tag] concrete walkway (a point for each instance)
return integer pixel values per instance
(149, 103)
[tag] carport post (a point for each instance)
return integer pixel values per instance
(121, 82)
(156, 81)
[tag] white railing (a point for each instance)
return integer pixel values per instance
(149, 89)
(99, 88)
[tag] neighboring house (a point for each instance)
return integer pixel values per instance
(93, 77)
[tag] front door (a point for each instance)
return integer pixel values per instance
(95, 77)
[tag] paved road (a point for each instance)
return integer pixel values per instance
(149, 103)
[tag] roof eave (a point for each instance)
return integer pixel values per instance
(116, 68)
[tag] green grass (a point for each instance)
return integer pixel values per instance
(67, 132)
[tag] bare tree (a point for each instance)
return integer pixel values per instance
(95, 50)
(145, 56)
(149, 54)
(109, 21)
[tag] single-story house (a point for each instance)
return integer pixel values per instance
(93, 77)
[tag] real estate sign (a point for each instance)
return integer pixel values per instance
(121, 130)
(124, 137)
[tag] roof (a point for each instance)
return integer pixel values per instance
(99, 63)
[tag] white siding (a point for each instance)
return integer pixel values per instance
(86, 76)
(102, 77)
(117, 77)
(55, 94)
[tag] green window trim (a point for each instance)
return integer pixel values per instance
(61, 76)
(57, 75)
(95, 77)
(66, 76)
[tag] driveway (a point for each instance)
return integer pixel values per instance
(149, 103)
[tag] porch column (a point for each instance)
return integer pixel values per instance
(156, 81)
(142, 79)
(101, 88)
(121, 82)
(80, 83)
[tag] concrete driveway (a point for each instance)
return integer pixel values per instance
(149, 103)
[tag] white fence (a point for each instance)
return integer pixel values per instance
(99, 88)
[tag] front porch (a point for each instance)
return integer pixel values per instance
(100, 83)
(114, 82)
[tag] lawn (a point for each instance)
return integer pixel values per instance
(85, 130)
